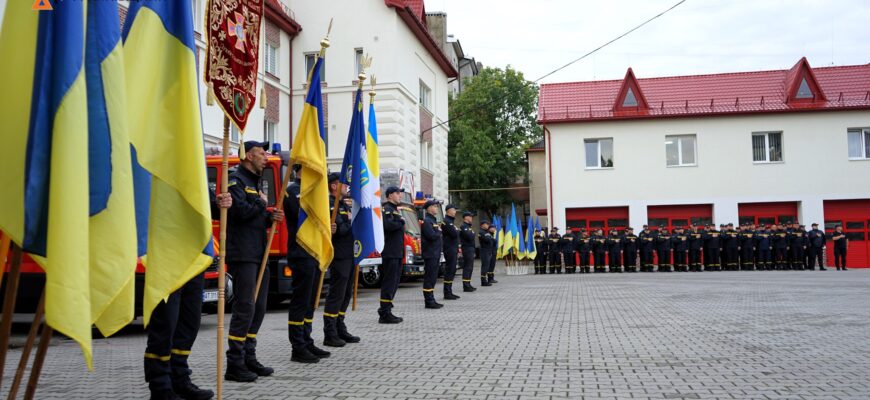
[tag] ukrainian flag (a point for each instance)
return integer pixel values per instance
(521, 240)
(172, 206)
(309, 150)
(499, 237)
(112, 208)
(508, 242)
(44, 156)
(531, 248)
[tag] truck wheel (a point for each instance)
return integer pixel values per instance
(371, 278)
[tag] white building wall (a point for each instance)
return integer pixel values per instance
(815, 165)
(400, 62)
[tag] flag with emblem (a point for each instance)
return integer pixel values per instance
(172, 203)
(358, 174)
(309, 150)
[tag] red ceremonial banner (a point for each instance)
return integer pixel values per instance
(233, 28)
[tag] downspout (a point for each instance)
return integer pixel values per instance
(290, 105)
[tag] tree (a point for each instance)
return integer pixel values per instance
(492, 122)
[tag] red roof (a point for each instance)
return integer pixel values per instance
(412, 12)
(277, 13)
(833, 88)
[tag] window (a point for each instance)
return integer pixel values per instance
(195, 14)
(272, 59)
(309, 64)
(767, 147)
(234, 132)
(267, 185)
(804, 91)
(599, 153)
(630, 99)
(746, 220)
(425, 95)
(426, 155)
(859, 144)
(655, 223)
(701, 220)
(357, 58)
(680, 150)
(269, 131)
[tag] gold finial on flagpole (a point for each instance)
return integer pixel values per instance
(364, 64)
(373, 82)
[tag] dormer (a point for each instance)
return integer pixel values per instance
(801, 85)
(630, 97)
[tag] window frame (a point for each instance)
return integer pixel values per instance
(766, 135)
(235, 133)
(271, 60)
(357, 60)
(679, 139)
(312, 55)
(864, 134)
(425, 96)
(598, 153)
(267, 135)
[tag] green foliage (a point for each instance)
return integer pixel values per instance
(492, 122)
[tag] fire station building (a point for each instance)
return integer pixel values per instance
(763, 147)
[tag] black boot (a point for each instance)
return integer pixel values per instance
(343, 333)
(317, 351)
(188, 391)
(302, 355)
(429, 300)
(491, 277)
(239, 373)
(448, 292)
(330, 333)
(466, 286)
(387, 317)
(164, 395)
(484, 281)
(257, 368)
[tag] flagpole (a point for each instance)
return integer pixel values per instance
(222, 260)
(372, 94)
(28, 347)
(36, 370)
(279, 205)
(4, 251)
(9, 304)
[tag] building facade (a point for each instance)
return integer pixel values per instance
(412, 88)
(763, 147)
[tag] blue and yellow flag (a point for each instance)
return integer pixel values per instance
(172, 206)
(356, 173)
(531, 248)
(499, 240)
(112, 207)
(514, 234)
(521, 241)
(508, 242)
(309, 151)
(44, 156)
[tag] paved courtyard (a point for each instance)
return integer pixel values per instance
(715, 335)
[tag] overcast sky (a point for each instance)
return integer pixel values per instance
(698, 37)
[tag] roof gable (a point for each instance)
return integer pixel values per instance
(801, 84)
(630, 97)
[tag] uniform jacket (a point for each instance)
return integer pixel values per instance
(841, 243)
(394, 232)
(647, 240)
(629, 244)
(663, 242)
(599, 244)
(680, 242)
(816, 238)
(614, 243)
(695, 239)
(763, 241)
(248, 218)
(432, 242)
(342, 239)
(730, 240)
(747, 240)
(450, 235)
(780, 239)
(466, 237)
(487, 241)
(568, 244)
(713, 239)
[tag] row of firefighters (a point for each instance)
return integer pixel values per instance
(779, 247)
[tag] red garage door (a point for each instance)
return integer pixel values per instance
(679, 215)
(767, 213)
(854, 216)
(605, 218)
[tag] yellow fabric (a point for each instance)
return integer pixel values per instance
(314, 235)
(165, 129)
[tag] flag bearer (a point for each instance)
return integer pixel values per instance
(335, 333)
(247, 222)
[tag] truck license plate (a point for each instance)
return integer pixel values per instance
(209, 296)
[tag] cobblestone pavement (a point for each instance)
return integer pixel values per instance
(713, 335)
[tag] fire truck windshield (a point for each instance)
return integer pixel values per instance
(412, 226)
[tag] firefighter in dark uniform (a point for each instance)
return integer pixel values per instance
(569, 249)
(599, 250)
(696, 243)
(841, 245)
(541, 256)
(780, 248)
(713, 243)
(647, 248)
(681, 250)
(732, 247)
(747, 248)
(306, 277)
(816, 247)
(393, 255)
(174, 325)
(466, 240)
(663, 250)
(335, 332)
(614, 251)
(487, 251)
(764, 247)
(584, 246)
(555, 251)
(798, 247)
(247, 222)
(450, 249)
(490, 273)
(629, 250)
(432, 245)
